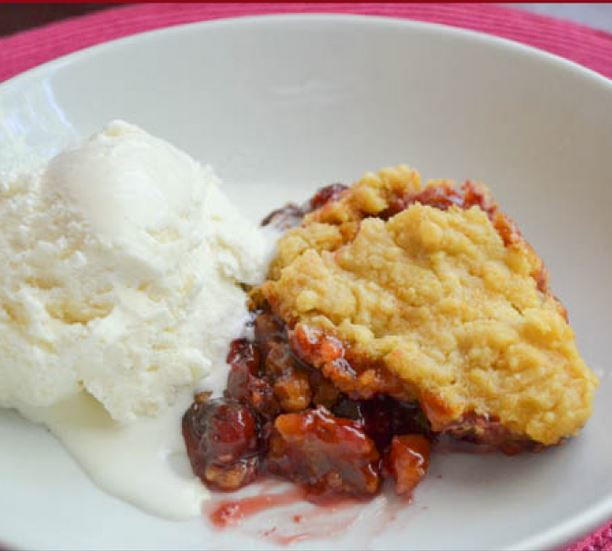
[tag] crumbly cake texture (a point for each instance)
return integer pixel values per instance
(451, 300)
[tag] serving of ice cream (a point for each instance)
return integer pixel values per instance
(122, 264)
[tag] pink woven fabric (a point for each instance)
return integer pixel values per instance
(601, 540)
(578, 43)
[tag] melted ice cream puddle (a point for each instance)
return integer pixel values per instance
(143, 462)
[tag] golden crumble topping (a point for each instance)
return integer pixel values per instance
(449, 299)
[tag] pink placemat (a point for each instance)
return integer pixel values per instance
(581, 44)
(589, 47)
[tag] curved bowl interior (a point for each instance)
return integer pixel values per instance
(281, 105)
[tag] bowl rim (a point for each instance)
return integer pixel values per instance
(565, 530)
(483, 38)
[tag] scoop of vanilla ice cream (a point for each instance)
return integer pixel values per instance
(121, 263)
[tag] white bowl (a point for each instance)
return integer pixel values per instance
(282, 105)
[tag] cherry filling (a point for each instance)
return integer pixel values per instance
(291, 214)
(325, 195)
(281, 416)
(326, 454)
(224, 441)
(407, 461)
(383, 417)
(442, 197)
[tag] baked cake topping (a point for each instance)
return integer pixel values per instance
(445, 294)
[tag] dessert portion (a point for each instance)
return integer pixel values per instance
(393, 313)
(121, 288)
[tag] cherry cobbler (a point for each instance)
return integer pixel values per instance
(393, 313)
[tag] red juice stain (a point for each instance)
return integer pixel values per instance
(232, 512)
(287, 540)
(316, 530)
(316, 521)
(319, 521)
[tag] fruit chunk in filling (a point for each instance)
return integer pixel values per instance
(408, 461)
(434, 296)
(224, 442)
(327, 454)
